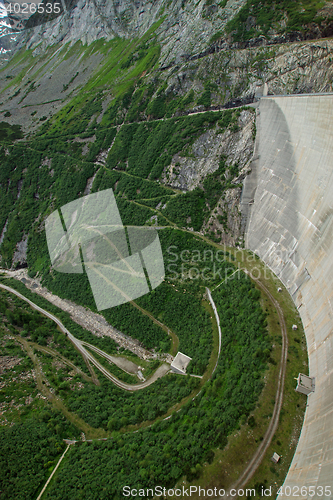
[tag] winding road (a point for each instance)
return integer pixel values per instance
(160, 372)
(163, 369)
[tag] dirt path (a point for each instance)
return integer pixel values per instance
(124, 364)
(46, 392)
(162, 370)
(212, 303)
(56, 354)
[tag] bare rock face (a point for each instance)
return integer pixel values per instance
(225, 221)
(20, 254)
(302, 67)
(185, 173)
(188, 172)
(186, 26)
(186, 63)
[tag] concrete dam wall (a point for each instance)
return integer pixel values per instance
(288, 206)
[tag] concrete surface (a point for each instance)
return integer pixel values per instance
(290, 226)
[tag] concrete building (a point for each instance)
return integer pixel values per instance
(305, 384)
(180, 363)
(275, 458)
(290, 226)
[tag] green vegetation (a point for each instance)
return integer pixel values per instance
(111, 408)
(215, 37)
(30, 451)
(193, 331)
(34, 327)
(125, 318)
(246, 440)
(9, 133)
(167, 450)
(133, 188)
(98, 406)
(31, 431)
(205, 99)
(189, 206)
(242, 317)
(120, 374)
(65, 86)
(130, 170)
(258, 17)
(132, 322)
(148, 148)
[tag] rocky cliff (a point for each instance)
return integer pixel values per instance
(186, 26)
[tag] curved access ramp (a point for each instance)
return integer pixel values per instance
(288, 206)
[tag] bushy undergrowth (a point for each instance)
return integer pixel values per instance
(259, 17)
(180, 445)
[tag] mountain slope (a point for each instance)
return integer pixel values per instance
(151, 100)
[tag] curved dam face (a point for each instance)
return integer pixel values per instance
(288, 204)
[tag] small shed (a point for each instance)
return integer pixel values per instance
(305, 384)
(275, 458)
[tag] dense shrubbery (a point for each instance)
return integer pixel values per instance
(187, 209)
(270, 14)
(125, 318)
(40, 329)
(32, 443)
(134, 188)
(186, 317)
(156, 108)
(51, 171)
(205, 99)
(142, 150)
(181, 444)
(25, 189)
(28, 452)
(117, 408)
(175, 309)
(139, 101)
(8, 133)
(149, 147)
